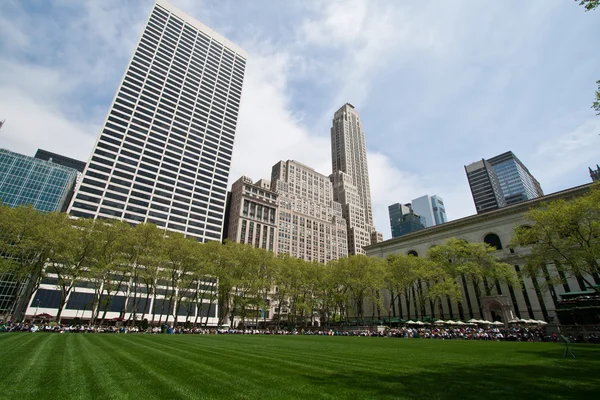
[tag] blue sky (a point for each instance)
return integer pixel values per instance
(438, 85)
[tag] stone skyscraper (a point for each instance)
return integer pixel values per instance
(164, 152)
(293, 213)
(350, 178)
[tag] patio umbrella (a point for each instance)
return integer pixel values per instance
(485, 322)
(439, 322)
(540, 322)
(497, 323)
(474, 321)
(514, 321)
(450, 322)
(410, 322)
(459, 323)
(530, 321)
(43, 316)
(419, 323)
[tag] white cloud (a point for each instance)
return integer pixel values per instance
(437, 85)
(268, 131)
(564, 155)
(31, 125)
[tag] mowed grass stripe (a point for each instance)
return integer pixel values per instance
(273, 366)
(107, 377)
(198, 376)
(230, 369)
(30, 374)
(82, 366)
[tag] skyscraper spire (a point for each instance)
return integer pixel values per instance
(350, 178)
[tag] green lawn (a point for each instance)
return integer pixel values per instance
(111, 366)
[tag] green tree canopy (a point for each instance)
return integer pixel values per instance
(565, 233)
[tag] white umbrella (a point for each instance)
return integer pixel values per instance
(410, 322)
(473, 321)
(485, 322)
(530, 321)
(439, 322)
(540, 322)
(513, 321)
(419, 323)
(459, 323)
(497, 323)
(450, 322)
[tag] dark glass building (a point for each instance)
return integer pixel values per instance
(485, 186)
(501, 181)
(516, 181)
(60, 160)
(403, 220)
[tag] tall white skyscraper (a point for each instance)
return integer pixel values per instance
(351, 177)
(431, 208)
(164, 152)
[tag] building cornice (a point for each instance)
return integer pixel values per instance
(487, 216)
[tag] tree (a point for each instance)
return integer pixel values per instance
(362, 277)
(108, 268)
(566, 234)
(589, 4)
(401, 275)
(26, 245)
(73, 252)
(596, 104)
(181, 261)
(146, 250)
(476, 262)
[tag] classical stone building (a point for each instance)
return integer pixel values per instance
(311, 225)
(253, 214)
(294, 213)
(536, 299)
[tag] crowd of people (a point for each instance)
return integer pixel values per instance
(513, 333)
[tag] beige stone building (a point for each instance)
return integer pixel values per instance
(536, 299)
(293, 213)
(253, 214)
(311, 225)
(350, 178)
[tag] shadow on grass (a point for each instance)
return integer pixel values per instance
(583, 352)
(567, 379)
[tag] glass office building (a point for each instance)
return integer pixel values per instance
(403, 220)
(29, 181)
(26, 180)
(60, 160)
(431, 209)
(516, 181)
(164, 152)
(485, 186)
(501, 181)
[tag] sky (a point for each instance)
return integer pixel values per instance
(438, 84)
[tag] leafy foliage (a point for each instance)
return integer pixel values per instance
(566, 234)
(589, 4)
(596, 104)
(179, 275)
